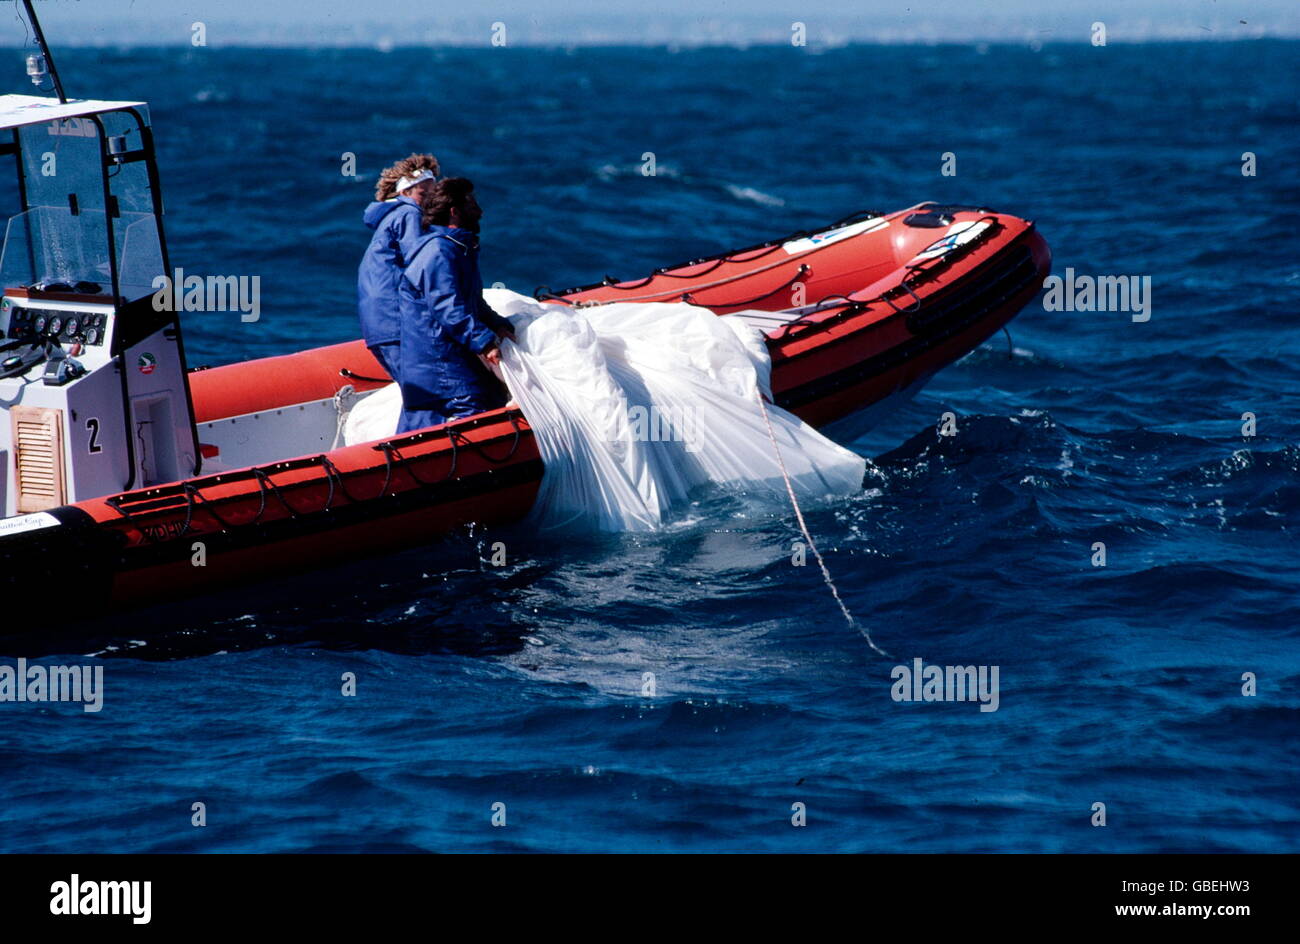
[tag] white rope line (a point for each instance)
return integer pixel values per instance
(798, 513)
(342, 408)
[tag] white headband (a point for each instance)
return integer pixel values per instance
(406, 183)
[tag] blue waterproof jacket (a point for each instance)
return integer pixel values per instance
(445, 325)
(398, 230)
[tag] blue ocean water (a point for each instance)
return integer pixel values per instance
(523, 685)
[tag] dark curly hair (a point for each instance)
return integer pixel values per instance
(448, 194)
(386, 188)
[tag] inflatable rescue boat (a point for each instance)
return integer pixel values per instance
(132, 478)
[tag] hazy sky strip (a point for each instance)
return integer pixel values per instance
(344, 22)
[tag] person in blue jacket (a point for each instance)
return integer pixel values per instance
(395, 217)
(445, 323)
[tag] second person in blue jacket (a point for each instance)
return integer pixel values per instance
(445, 323)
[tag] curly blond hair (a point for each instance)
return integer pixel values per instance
(386, 188)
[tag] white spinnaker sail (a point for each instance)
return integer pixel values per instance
(635, 405)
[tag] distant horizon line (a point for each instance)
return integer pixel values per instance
(382, 44)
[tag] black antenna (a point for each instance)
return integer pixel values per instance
(45, 51)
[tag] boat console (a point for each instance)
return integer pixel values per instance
(92, 369)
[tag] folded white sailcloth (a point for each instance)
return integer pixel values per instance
(636, 405)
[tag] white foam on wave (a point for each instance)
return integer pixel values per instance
(754, 196)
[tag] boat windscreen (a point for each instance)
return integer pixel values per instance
(63, 235)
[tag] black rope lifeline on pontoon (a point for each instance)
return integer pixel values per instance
(351, 374)
(802, 271)
(729, 255)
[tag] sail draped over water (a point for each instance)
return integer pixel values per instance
(635, 406)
